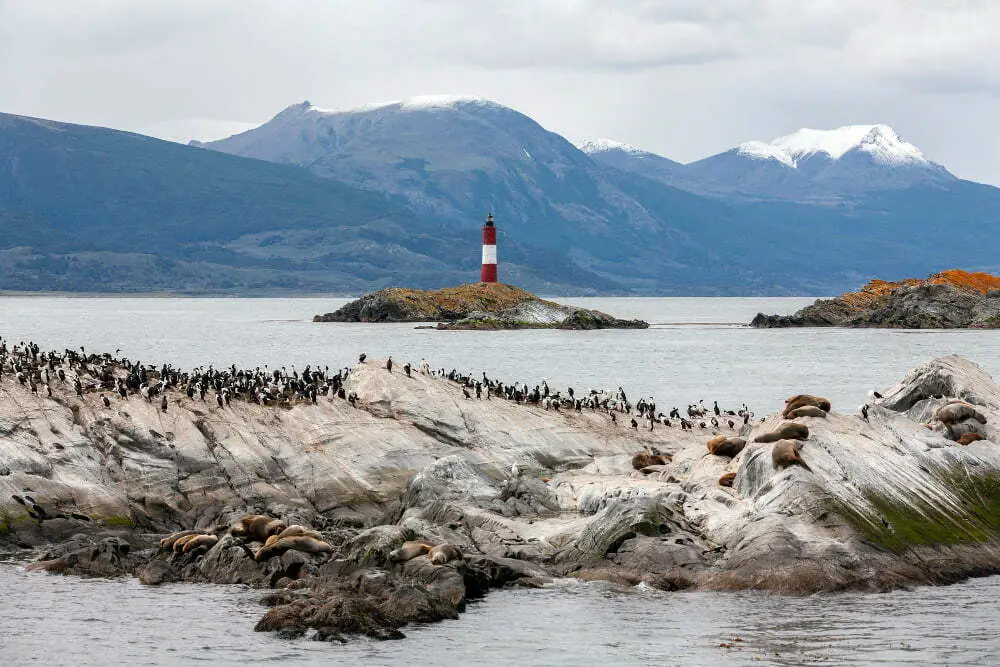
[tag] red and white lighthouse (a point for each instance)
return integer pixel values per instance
(489, 270)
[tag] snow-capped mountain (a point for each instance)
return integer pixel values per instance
(849, 160)
(452, 159)
(634, 160)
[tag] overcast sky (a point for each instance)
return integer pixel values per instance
(684, 78)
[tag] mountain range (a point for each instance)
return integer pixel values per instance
(395, 193)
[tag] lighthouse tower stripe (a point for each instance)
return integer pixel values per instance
(489, 254)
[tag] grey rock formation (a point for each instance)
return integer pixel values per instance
(524, 493)
(919, 307)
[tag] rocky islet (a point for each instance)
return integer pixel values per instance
(952, 299)
(482, 306)
(889, 497)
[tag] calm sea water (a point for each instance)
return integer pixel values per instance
(696, 349)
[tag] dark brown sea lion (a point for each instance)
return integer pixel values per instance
(727, 479)
(787, 431)
(257, 527)
(807, 411)
(195, 541)
(444, 553)
(785, 453)
(408, 551)
(969, 438)
(958, 411)
(643, 459)
(303, 543)
(799, 400)
(723, 446)
(168, 541)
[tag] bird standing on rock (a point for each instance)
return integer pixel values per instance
(362, 358)
(163, 404)
(388, 364)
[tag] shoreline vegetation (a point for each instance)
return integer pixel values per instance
(361, 500)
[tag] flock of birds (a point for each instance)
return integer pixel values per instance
(116, 377)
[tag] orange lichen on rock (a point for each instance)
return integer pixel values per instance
(487, 297)
(978, 281)
(876, 289)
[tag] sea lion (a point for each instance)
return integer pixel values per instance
(723, 446)
(167, 542)
(181, 541)
(958, 411)
(785, 453)
(292, 531)
(303, 543)
(257, 527)
(727, 479)
(444, 553)
(799, 400)
(807, 411)
(787, 431)
(408, 551)
(969, 438)
(643, 459)
(195, 541)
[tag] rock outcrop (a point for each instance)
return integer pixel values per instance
(948, 300)
(889, 497)
(474, 306)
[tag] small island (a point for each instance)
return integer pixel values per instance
(952, 299)
(474, 306)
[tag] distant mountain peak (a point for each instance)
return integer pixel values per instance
(591, 146)
(419, 103)
(880, 141)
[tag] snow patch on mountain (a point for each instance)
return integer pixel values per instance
(420, 102)
(591, 146)
(879, 141)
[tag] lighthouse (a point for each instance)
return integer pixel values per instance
(489, 270)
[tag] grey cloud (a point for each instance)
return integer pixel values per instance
(685, 78)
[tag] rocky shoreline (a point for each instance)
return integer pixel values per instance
(526, 485)
(478, 306)
(947, 300)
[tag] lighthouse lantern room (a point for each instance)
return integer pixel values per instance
(489, 270)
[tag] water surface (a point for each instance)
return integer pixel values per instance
(696, 349)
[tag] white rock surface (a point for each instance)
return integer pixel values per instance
(885, 502)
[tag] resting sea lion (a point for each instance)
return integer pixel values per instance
(969, 438)
(303, 543)
(292, 531)
(785, 453)
(723, 446)
(408, 551)
(958, 411)
(643, 459)
(799, 400)
(257, 527)
(181, 541)
(727, 479)
(168, 541)
(807, 411)
(787, 431)
(445, 553)
(196, 541)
